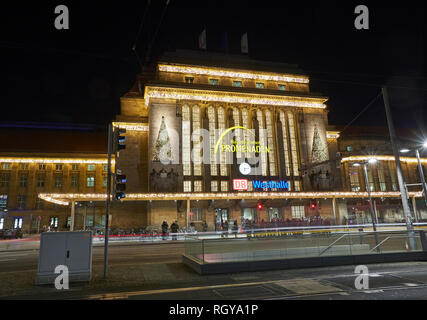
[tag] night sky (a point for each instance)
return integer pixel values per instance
(78, 75)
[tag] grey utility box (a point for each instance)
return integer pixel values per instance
(72, 249)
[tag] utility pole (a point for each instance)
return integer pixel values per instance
(107, 205)
(368, 189)
(402, 187)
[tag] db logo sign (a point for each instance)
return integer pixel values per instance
(240, 184)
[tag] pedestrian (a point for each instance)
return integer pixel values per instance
(205, 226)
(165, 228)
(174, 229)
(235, 227)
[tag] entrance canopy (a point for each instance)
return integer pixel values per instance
(66, 198)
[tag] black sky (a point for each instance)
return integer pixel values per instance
(78, 75)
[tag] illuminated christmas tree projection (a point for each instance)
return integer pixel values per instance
(318, 153)
(162, 150)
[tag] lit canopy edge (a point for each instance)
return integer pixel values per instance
(381, 158)
(232, 74)
(30, 159)
(234, 97)
(65, 198)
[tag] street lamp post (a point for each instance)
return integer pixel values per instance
(420, 169)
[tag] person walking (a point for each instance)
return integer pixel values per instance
(205, 226)
(165, 228)
(174, 229)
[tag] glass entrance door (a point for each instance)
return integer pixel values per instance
(221, 216)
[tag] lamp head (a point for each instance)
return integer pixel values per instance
(372, 161)
(356, 164)
(425, 144)
(404, 150)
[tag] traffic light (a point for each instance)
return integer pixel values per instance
(259, 206)
(312, 205)
(119, 139)
(120, 186)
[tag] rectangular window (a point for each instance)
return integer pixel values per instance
(248, 214)
(392, 176)
(17, 222)
(354, 179)
(90, 167)
(58, 182)
(58, 167)
(371, 180)
(39, 203)
(186, 141)
(105, 167)
(297, 185)
(198, 186)
(187, 186)
(40, 181)
(282, 87)
(197, 159)
(75, 166)
(91, 181)
(42, 166)
(6, 166)
(214, 82)
(196, 214)
(212, 142)
(53, 222)
(214, 186)
(298, 212)
(189, 79)
(259, 85)
(381, 177)
(24, 166)
(23, 178)
(74, 181)
(224, 186)
(1, 223)
(5, 179)
(3, 202)
(21, 202)
(104, 182)
(237, 83)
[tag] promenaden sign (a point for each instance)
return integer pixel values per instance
(270, 184)
(240, 146)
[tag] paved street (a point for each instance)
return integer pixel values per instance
(155, 271)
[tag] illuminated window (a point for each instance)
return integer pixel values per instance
(250, 186)
(21, 202)
(58, 167)
(392, 176)
(224, 186)
(197, 159)
(5, 179)
(262, 142)
(5, 166)
(285, 143)
(17, 222)
(1, 223)
(381, 177)
(292, 135)
(189, 79)
(105, 167)
(259, 85)
(247, 135)
(349, 148)
(90, 181)
(354, 179)
(187, 186)
(282, 87)
(3, 202)
(104, 182)
(90, 167)
(23, 178)
(238, 133)
(237, 83)
(53, 222)
(221, 127)
(297, 185)
(40, 181)
(58, 182)
(196, 214)
(42, 166)
(24, 166)
(75, 166)
(214, 82)
(298, 212)
(212, 140)
(371, 180)
(214, 186)
(186, 161)
(74, 181)
(198, 186)
(270, 140)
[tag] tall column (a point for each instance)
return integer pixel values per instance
(414, 205)
(334, 209)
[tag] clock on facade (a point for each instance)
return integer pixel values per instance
(244, 168)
